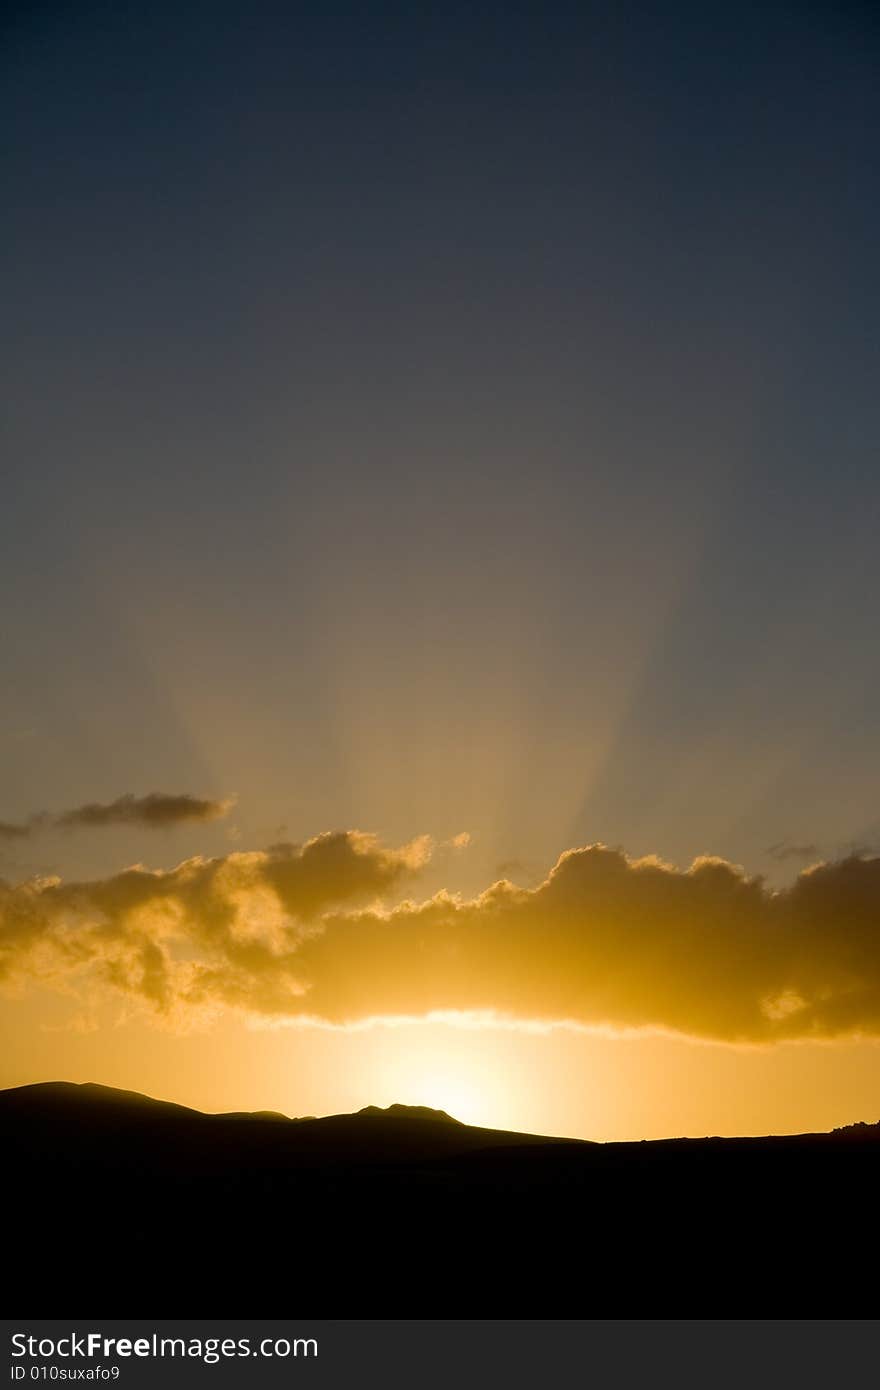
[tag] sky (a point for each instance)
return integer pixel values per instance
(439, 441)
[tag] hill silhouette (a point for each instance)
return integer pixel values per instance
(120, 1204)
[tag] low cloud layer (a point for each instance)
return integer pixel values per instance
(307, 932)
(156, 811)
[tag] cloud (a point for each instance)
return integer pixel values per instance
(784, 851)
(311, 932)
(9, 831)
(156, 811)
(209, 932)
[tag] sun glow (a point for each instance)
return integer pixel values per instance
(472, 1076)
(451, 1092)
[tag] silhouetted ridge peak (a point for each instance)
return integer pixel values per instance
(410, 1112)
(861, 1129)
(91, 1095)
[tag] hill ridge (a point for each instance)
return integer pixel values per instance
(101, 1096)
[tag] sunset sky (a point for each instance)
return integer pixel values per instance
(439, 441)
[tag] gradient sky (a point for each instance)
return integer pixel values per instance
(439, 420)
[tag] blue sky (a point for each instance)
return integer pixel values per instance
(440, 420)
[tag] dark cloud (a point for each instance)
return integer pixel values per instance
(156, 811)
(783, 851)
(302, 932)
(9, 831)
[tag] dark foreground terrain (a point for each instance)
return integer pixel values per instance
(118, 1205)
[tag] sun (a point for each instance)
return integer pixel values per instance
(455, 1094)
(474, 1076)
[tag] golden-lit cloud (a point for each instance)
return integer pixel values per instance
(208, 932)
(307, 932)
(155, 811)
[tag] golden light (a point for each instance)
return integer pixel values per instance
(451, 1092)
(467, 1074)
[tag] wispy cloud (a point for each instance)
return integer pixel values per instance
(155, 811)
(784, 850)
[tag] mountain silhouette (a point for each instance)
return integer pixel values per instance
(117, 1203)
(413, 1112)
(89, 1123)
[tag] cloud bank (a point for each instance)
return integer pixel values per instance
(307, 932)
(155, 811)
